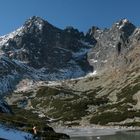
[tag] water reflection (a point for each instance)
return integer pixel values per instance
(133, 135)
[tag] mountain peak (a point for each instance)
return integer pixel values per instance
(121, 24)
(35, 21)
(35, 18)
(125, 26)
(93, 30)
(124, 21)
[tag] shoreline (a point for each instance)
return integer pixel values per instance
(95, 130)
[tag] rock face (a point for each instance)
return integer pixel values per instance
(111, 44)
(40, 51)
(39, 44)
(4, 108)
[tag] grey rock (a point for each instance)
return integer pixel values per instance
(4, 107)
(111, 43)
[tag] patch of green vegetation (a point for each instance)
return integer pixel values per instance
(39, 102)
(45, 91)
(128, 92)
(107, 117)
(69, 111)
(64, 104)
(92, 92)
(133, 124)
(51, 91)
(73, 110)
(121, 107)
(22, 117)
(70, 106)
(137, 80)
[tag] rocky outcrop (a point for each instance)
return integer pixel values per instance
(40, 51)
(4, 107)
(40, 44)
(111, 44)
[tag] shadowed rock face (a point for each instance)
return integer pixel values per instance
(40, 44)
(4, 108)
(40, 51)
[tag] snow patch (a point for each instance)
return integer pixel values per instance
(82, 52)
(104, 61)
(63, 49)
(12, 134)
(5, 38)
(92, 74)
(93, 61)
(86, 43)
(122, 23)
(125, 21)
(137, 31)
(39, 25)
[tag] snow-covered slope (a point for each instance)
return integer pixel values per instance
(12, 134)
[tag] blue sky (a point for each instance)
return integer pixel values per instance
(81, 14)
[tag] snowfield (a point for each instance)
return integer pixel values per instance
(12, 134)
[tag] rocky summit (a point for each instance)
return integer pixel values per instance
(72, 78)
(39, 51)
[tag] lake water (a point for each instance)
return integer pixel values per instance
(134, 135)
(100, 134)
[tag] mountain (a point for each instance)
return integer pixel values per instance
(72, 78)
(39, 51)
(112, 43)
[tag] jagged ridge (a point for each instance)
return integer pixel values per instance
(40, 51)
